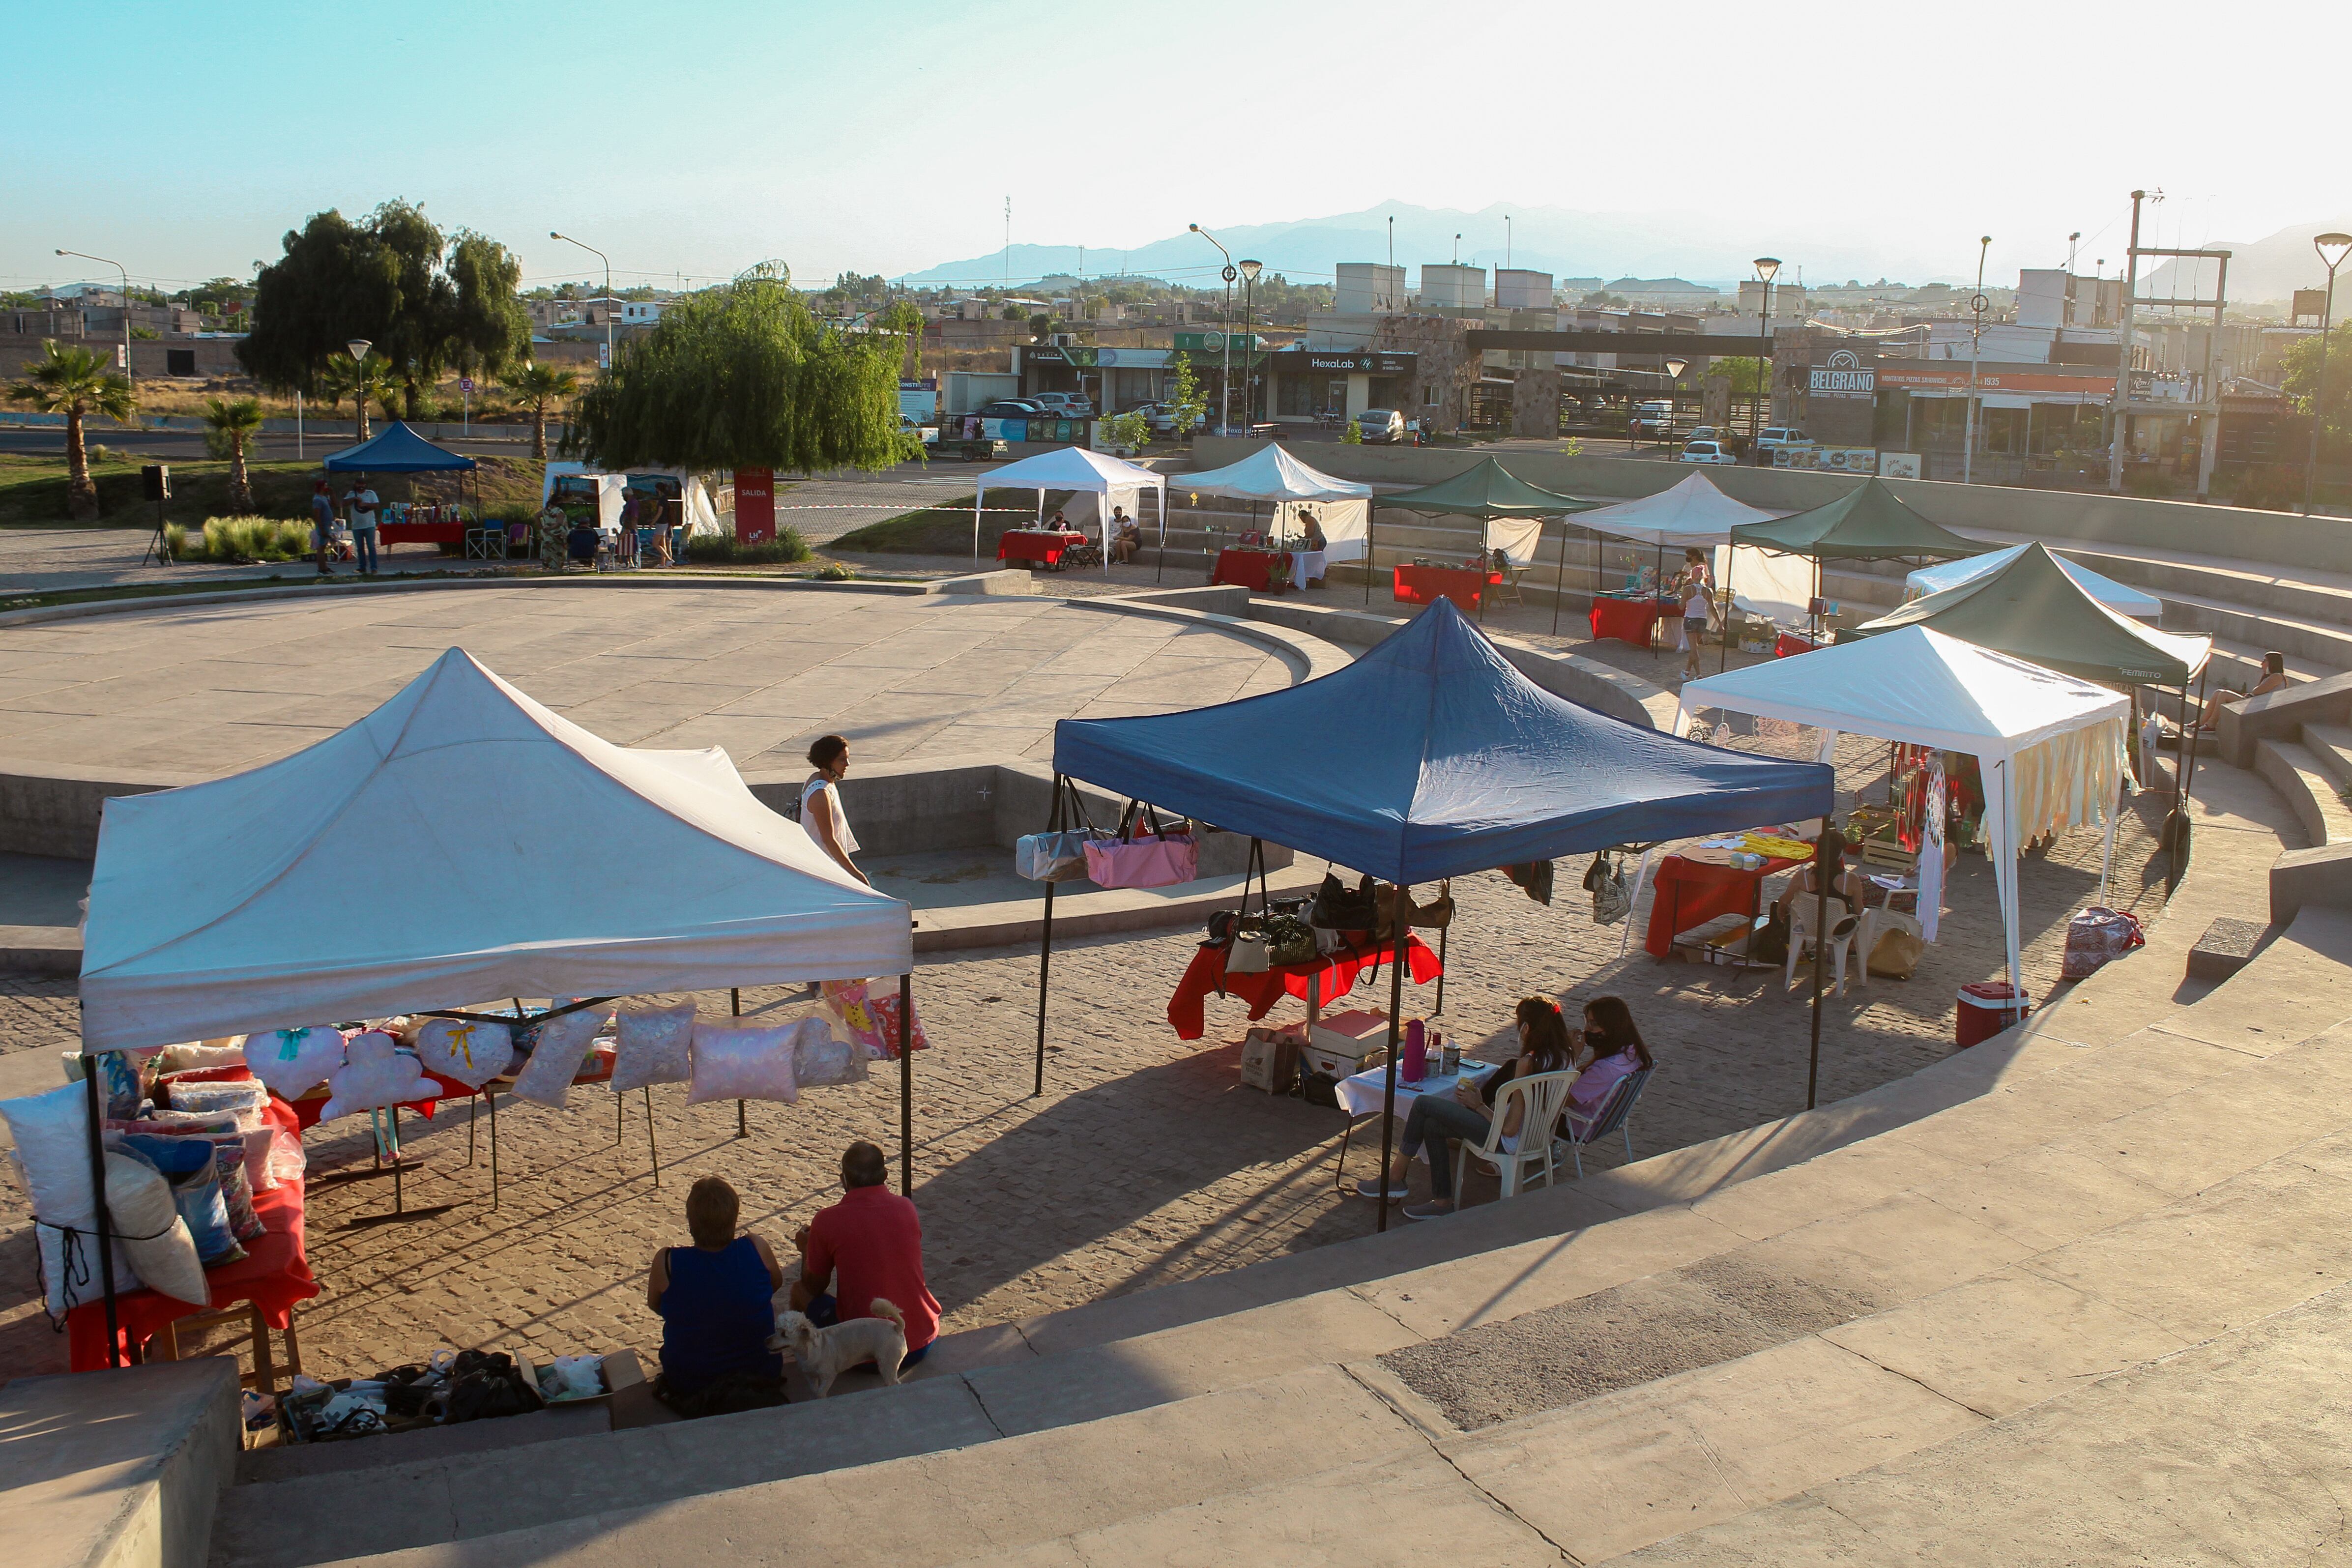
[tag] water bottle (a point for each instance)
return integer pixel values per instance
(1415, 1066)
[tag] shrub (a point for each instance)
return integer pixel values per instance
(175, 538)
(723, 550)
(241, 539)
(834, 572)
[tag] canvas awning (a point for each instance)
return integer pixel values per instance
(2032, 608)
(459, 843)
(1117, 481)
(1868, 523)
(1690, 515)
(1488, 489)
(2120, 597)
(1270, 474)
(399, 450)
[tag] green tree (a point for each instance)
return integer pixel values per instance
(487, 328)
(904, 317)
(1130, 430)
(2334, 410)
(539, 385)
(1184, 395)
(1746, 375)
(746, 376)
(363, 381)
(75, 382)
(229, 425)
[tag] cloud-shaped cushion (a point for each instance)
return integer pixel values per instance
(656, 1046)
(374, 1075)
(292, 1062)
(465, 1050)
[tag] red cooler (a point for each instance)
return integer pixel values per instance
(1986, 1008)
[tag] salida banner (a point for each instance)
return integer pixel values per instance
(755, 505)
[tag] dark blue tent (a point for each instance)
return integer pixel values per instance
(399, 450)
(1432, 757)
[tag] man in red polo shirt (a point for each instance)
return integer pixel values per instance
(869, 1244)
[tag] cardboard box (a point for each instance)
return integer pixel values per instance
(1340, 1042)
(620, 1369)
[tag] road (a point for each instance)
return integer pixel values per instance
(188, 445)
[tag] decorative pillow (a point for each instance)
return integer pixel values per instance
(869, 1016)
(374, 1075)
(656, 1046)
(559, 1052)
(188, 1164)
(245, 1100)
(211, 1054)
(465, 1050)
(51, 1133)
(236, 1193)
(732, 1062)
(819, 1060)
(293, 1062)
(259, 1174)
(123, 1082)
(140, 1204)
(180, 1123)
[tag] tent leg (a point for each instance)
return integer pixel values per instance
(907, 1083)
(735, 1002)
(105, 1219)
(493, 1096)
(1044, 968)
(1443, 932)
(1560, 580)
(1820, 946)
(1730, 560)
(1388, 1089)
(473, 1111)
(1370, 554)
(651, 1150)
(399, 1198)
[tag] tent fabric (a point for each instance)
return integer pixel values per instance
(1515, 537)
(461, 842)
(1117, 481)
(1868, 523)
(2033, 609)
(399, 450)
(1270, 474)
(1489, 491)
(1461, 765)
(1691, 514)
(2117, 596)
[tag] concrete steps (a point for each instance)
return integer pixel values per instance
(2310, 786)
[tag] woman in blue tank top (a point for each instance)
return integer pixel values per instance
(716, 1301)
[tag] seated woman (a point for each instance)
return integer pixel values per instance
(1618, 1053)
(717, 1303)
(1846, 888)
(2273, 679)
(1128, 540)
(1544, 1046)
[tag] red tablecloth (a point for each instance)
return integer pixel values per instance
(421, 534)
(1689, 893)
(1027, 544)
(274, 1274)
(1338, 970)
(1427, 585)
(1630, 620)
(1788, 644)
(306, 1109)
(1246, 569)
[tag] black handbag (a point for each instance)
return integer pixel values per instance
(1338, 907)
(1319, 1089)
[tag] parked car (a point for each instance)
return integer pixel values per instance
(1162, 416)
(1655, 418)
(1013, 408)
(1064, 405)
(1704, 433)
(1707, 452)
(1381, 426)
(1777, 436)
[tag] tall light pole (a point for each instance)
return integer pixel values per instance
(1225, 387)
(86, 256)
(1767, 268)
(1506, 242)
(1976, 341)
(1250, 270)
(2332, 248)
(357, 349)
(608, 288)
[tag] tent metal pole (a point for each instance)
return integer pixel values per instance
(1820, 946)
(1560, 579)
(105, 1218)
(1400, 934)
(492, 1096)
(1444, 889)
(1054, 823)
(735, 1006)
(1372, 555)
(1730, 563)
(651, 1150)
(907, 1082)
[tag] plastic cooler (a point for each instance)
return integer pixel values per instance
(1986, 1008)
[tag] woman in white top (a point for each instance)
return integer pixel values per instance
(1697, 598)
(1543, 1046)
(821, 813)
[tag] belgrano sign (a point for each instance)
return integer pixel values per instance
(1844, 376)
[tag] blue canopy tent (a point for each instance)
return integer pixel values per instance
(400, 450)
(1457, 763)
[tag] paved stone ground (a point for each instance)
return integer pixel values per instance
(1143, 1164)
(216, 690)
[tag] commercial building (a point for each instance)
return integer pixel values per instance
(1369, 288)
(1454, 288)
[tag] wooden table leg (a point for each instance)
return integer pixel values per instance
(264, 1379)
(293, 1348)
(165, 1345)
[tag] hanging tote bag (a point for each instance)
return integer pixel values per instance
(1156, 859)
(1058, 853)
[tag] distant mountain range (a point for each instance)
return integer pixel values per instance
(2265, 269)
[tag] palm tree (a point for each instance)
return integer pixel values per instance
(76, 383)
(360, 379)
(229, 423)
(539, 386)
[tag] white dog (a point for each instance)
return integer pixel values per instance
(825, 1353)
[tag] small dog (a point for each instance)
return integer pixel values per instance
(825, 1353)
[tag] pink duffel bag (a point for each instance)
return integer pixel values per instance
(1154, 859)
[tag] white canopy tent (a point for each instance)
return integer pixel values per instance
(1692, 514)
(461, 842)
(1342, 508)
(1116, 481)
(2117, 596)
(2050, 747)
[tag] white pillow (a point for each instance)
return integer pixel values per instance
(374, 1075)
(51, 1133)
(557, 1055)
(244, 1097)
(189, 1058)
(819, 1060)
(656, 1046)
(465, 1050)
(138, 1201)
(293, 1062)
(736, 1063)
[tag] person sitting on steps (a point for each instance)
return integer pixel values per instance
(717, 1302)
(869, 1244)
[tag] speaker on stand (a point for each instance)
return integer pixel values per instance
(156, 485)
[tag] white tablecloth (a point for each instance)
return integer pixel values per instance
(1306, 566)
(1361, 1095)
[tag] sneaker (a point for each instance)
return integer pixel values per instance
(1370, 1187)
(1429, 1211)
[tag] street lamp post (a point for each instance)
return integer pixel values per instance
(86, 256)
(608, 288)
(1767, 267)
(1225, 381)
(1976, 341)
(357, 349)
(2332, 248)
(1250, 270)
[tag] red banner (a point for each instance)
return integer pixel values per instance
(755, 505)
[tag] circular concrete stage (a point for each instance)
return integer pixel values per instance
(208, 691)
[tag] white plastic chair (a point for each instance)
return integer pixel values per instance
(1615, 1114)
(1844, 931)
(1540, 1098)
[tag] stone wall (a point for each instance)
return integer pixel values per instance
(1445, 362)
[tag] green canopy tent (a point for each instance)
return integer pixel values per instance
(1492, 492)
(1866, 523)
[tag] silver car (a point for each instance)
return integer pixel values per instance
(1381, 426)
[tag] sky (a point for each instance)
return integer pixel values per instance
(691, 139)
